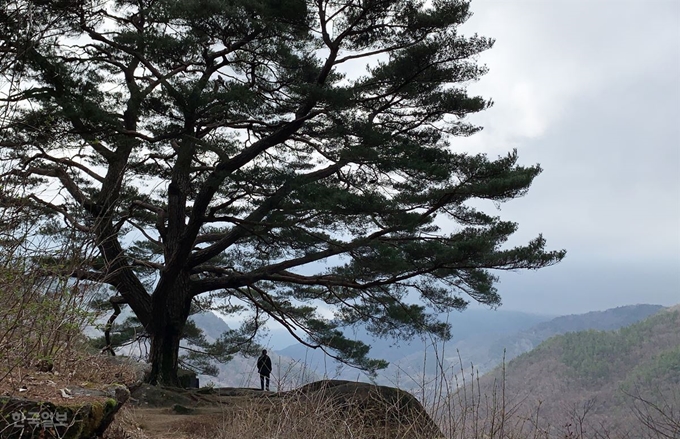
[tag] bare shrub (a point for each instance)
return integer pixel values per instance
(658, 411)
(42, 310)
(41, 318)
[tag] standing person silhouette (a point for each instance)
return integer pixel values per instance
(264, 367)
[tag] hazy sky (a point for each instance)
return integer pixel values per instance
(591, 91)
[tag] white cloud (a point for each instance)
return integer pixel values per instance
(591, 90)
(549, 53)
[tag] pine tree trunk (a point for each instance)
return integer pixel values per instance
(169, 315)
(164, 357)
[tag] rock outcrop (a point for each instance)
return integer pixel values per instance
(374, 408)
(329, 408)
(84, 414)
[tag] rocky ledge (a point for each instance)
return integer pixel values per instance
(83, 414)
(361, 408)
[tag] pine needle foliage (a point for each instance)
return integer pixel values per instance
(274, 156)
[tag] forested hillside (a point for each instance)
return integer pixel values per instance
(600, 380)
(513, 345)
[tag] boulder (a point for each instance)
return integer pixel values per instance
(83, 414)
(375, 408)
(187, 379)
(329, 409)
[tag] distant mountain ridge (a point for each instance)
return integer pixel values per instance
(480, 337)
(610, 319)
(602, 376)
(211, 325)
(606, 320)
(407, 357)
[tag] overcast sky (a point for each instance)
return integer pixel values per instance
(591, 91)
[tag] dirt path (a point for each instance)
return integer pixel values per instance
(162, 423)
(161, 413)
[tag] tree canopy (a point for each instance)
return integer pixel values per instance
(271, 157)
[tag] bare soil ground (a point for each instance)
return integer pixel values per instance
(158, 413)
(87, 371)
(162, 423)
(154, 412)
(149, 413)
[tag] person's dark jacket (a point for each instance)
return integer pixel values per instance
(264, 365)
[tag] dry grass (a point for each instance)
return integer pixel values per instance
(40, 326)
(42, 347)
(276, 417)
(43, 310)
(304, 416)
(42, 322)
(126, 425)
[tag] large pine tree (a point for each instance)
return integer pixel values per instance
(274, 156)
